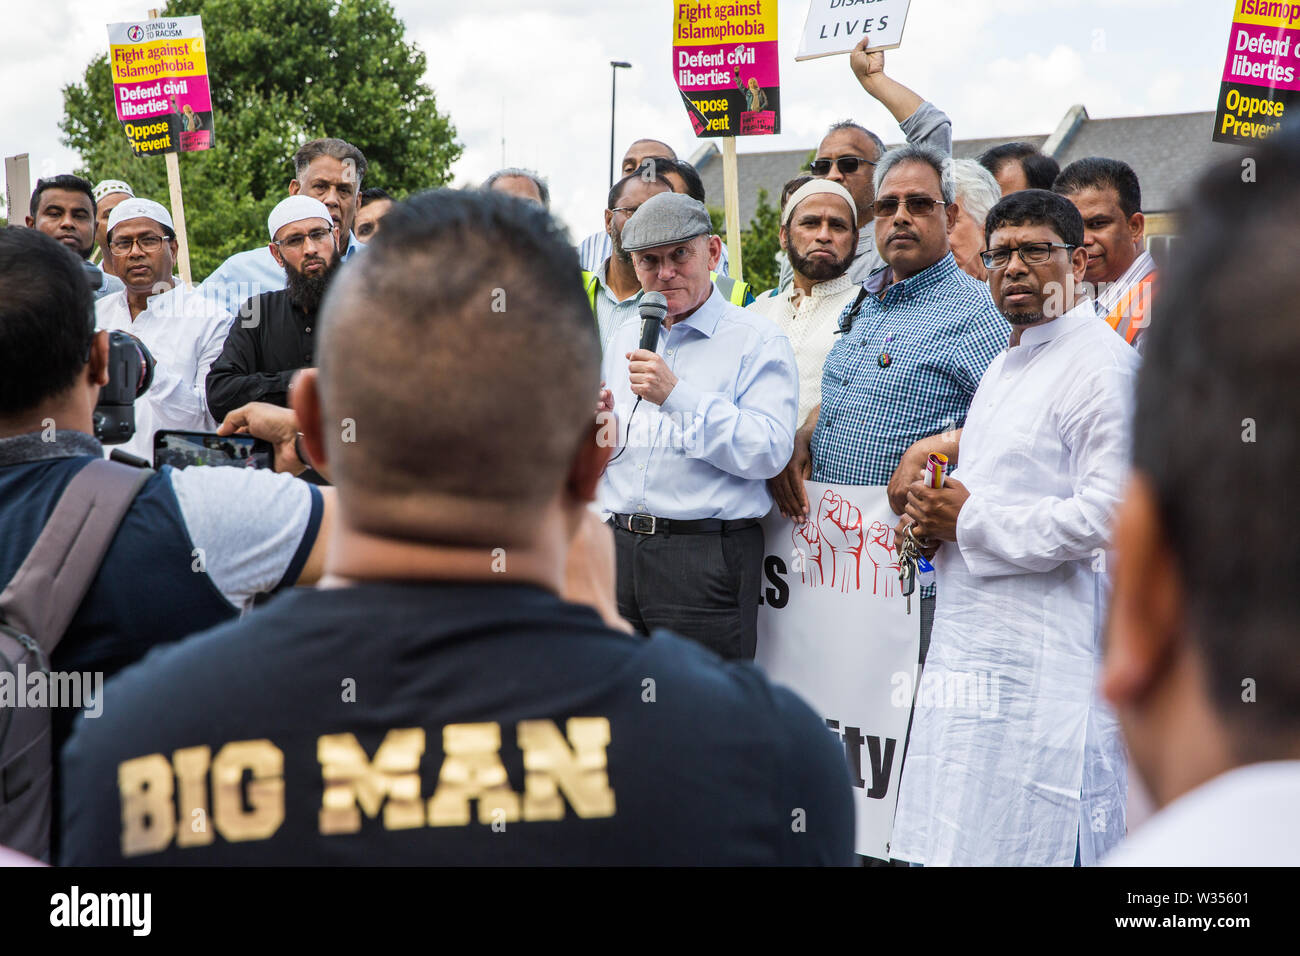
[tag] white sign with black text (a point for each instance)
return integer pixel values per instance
(833, 626)
(837, 26)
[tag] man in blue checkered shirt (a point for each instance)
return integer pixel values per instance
(922, 333)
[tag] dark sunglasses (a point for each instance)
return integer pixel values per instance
(916, 205)
(846, 164)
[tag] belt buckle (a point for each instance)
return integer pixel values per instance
(641, 524)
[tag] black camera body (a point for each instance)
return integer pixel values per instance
(130, 373)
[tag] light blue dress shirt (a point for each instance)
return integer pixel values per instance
(727, 426)
(248, 274)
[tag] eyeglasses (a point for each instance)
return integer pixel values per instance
(317, 236)
(1031, 253)
(845, 164)
(122, 247)
(626, 210)
(916, 205)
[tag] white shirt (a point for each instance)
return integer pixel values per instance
(185, 331)
(1249, 816)
(811, 322)
(1019, 772)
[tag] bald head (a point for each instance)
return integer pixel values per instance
(642, 150)
(441, 345)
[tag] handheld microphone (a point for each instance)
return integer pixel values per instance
(653, 307)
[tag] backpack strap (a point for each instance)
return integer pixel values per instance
(45, 593)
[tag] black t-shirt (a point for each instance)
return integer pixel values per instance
(515, 729)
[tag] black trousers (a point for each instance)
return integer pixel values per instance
(701, 586)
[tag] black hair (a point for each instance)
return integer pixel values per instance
(428, 349)
(1032, 207)
(1040, 169)
(691, 176)
(1096, 172)
(373, 193)
(662, 168)
(46, 319)
(1217, 410)
(791, 187)
(63, 181)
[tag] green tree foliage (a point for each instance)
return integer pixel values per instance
(281, 74)
(760, 243)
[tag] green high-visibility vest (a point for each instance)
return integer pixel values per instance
(733, 290)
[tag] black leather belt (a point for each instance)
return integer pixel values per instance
(649, 524)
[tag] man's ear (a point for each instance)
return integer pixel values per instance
(97, 367)
(589, 461)
(783, 238)
(952, 210)
(304, 399)
(1137, 227)
(715, 252)
(1079, 263)
(295, 187)
(31, 223)
(1146, 631)
(276, 254)
(609, 221)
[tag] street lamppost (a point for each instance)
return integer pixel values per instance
(613, 90)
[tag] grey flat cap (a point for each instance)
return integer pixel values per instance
(665, 218)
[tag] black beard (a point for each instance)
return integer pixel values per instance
(819, 270)
(621, 254)
(308, 291)
(1023, 318)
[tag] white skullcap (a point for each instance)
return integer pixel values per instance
(107, 187)
(295, 209)
(812, 188)
(136, 208)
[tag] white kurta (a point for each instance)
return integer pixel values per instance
(1013, 754)
(185, 332)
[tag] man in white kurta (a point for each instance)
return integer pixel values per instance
(817, 234)
(1014, 759)
(183, 330)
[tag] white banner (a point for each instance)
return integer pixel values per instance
(837, 26)
(833, 626)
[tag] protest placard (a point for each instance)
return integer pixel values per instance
(725, 63)
(160, 84)
(833, 625)
(1261, 74)
(837, 26)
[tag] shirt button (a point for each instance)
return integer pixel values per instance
(670, 351)
(309, 328)
(640, 467)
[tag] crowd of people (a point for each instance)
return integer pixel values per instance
(527, 536)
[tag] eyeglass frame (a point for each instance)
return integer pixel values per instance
(137, 241)
(836, 163)
(1025, 245)
(319, 235)
(905, 202)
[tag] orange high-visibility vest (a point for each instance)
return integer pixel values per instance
(1132, 314)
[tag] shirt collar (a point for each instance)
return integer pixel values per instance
(928, 277)
(831, 286)
(705, 318)
(601, 275)
(1139, 269)
(1042, 334)
(21, 449)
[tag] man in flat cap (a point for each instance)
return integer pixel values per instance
(181, 328)
(275, 332)
(703, 420)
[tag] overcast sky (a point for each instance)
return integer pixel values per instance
(528, 84)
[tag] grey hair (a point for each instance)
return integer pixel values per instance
(338, 149)
(510, 171)
(977, 190)
(849, 124)
(915, 153)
